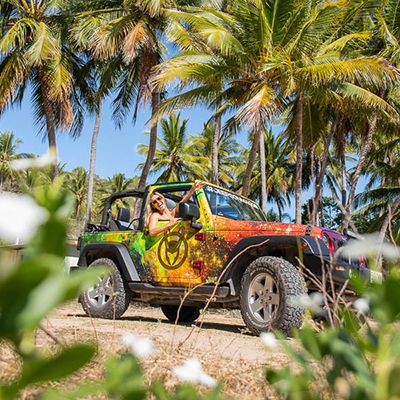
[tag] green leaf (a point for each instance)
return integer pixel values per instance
(63, 364)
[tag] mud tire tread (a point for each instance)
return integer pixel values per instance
(122, 298)
(291, 284)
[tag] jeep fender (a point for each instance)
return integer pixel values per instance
(115, 251)
(250, 248)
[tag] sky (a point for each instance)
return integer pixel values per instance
(116, 151)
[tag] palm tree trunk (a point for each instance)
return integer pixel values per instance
(392, 209)
(343, 178)
(92, 163)
(155, 102)
(320, 178)
(48, 111)
(264, 193)
(250, 162)
(367, 144)
(215, 150)
(299, 155)
(279, 211)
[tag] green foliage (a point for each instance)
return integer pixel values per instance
(31, 288)
(350, 362)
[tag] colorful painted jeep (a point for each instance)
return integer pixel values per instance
(223, 252)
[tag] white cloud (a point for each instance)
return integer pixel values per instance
(20, 217)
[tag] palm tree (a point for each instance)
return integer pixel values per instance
(76, 182)
(8, 152)
(130, 32)
(382, 199)
(176, 158)
(33, 52)
(267, 54)
(229, 154)
(279, 172)
(117, 183)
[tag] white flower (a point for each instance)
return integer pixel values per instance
(269, 339)
(141, 347)
(314, 301)
(369, 246)
(191, 371)
(20, 216)
(34, 162)
(361, 305)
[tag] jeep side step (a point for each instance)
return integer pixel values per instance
(220, 291)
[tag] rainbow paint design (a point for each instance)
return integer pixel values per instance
(186, 256)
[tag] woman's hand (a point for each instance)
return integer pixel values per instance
(198, 185)
(173, 221)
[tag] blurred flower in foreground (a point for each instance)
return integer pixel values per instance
(141, 347)
(191, 371)
(269, 339)
(20, 216)
(361, 305)
(369, 246)
(34, 162)
(313, 302)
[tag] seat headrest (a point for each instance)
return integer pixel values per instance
(123, 215)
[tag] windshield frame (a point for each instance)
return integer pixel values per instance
(239, 200)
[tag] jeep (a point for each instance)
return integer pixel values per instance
(223, 253)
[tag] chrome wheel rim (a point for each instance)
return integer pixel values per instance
(263, 297)
(102, 292)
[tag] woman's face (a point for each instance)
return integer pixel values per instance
(157, 202)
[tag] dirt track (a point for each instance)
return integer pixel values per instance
(223, 345)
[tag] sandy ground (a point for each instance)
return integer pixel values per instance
(226, 349)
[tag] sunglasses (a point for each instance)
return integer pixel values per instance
(158, 199)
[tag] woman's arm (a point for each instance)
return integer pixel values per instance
(187, 196)
(154, 230)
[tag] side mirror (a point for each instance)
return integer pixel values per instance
(188, 211)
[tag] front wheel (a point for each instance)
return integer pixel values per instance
(110, 297)
(269, 288)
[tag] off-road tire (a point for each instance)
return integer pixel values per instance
(186, 314)
(117, 303)
(289, 284)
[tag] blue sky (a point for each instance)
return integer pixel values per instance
(116, 147)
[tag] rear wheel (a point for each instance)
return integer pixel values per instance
(186, 314)
(269, 289)
(110, 297)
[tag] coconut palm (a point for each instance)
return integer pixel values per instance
(130, 31)
(269, 53)
(33, 52)
(177, 157)
(8, 152)
(76, 181)
(279, 172)
(229, 154)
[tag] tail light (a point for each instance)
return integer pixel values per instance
(329, 243)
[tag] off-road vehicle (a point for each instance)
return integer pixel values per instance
(222, 252)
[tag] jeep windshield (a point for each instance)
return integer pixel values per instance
(229, 205)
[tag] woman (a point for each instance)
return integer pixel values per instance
(160, 211)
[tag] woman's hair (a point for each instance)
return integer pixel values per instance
(149, 208)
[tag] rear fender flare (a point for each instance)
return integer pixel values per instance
(115, 251)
